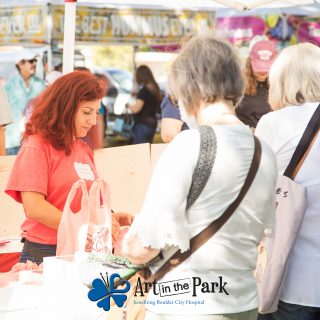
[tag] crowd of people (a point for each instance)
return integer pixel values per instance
(271, 97)
(149, 103)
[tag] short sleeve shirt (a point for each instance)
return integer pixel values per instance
(39, 167)
(168, 110)
(149, 110)
(18, 96)
(252, 108)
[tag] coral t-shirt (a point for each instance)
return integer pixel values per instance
(39, 167)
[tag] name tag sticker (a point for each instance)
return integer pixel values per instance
(84, 171)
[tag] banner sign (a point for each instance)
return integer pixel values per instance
(310, 31)
(283, 29)
(23, 24)
(239, 29)
(131, 25)
(29, 24)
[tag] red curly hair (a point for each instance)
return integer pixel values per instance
(54, 110)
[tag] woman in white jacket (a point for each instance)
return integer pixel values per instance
(295, 94)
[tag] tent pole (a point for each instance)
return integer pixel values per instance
(49, 38)
(134, 67)
(69, 35)
(135, 49)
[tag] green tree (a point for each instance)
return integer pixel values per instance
(120, 56)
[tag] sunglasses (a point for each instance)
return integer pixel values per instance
(32, 61)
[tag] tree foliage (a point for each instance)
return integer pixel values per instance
(114, 56)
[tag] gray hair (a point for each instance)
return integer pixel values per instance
(206, 70)
(295, 76)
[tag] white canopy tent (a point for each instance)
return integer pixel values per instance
(253, 4)
(309, 6)
(242, 5)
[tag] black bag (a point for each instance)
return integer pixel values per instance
(123, 125)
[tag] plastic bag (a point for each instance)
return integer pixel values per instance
(90, 229)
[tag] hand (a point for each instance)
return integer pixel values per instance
(123, 218)
(29, 265)
(127, 106)
(119, 219)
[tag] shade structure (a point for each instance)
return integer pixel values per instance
(241, 5)
(69, 34)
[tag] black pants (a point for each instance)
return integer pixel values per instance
(35, 252)
(288, 311)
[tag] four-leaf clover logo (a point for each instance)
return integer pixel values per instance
(102, 292)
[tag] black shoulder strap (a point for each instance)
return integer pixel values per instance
(307, 137)
(206, 158)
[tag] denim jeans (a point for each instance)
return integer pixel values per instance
(35, 252)
(246, 315)
(12, 151)
(288, 311)
(143, 133)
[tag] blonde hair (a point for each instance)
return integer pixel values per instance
(206, 70)
(294, 77)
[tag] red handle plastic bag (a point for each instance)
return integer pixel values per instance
(89, 229)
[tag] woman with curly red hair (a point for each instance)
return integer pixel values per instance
(56, 152)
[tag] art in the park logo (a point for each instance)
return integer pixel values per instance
(103, 290)
(114, 287)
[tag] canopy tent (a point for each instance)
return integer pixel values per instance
(70, 13)
(30, 22)
(126, 21)
(44, 23)
(263, 7)
(220, 6)
(133, 25)
(36, 22)
(242, 5)
(253, 4)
